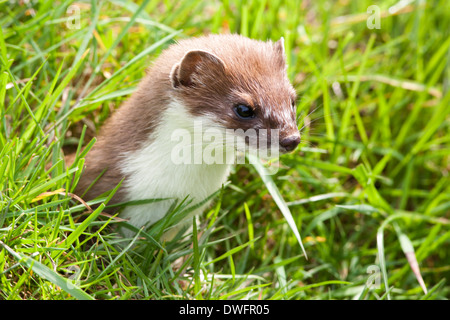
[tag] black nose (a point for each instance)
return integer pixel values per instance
(290, 143)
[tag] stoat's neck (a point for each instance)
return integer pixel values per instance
(156, 170)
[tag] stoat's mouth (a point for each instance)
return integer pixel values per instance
(212, 140)
(283, 150)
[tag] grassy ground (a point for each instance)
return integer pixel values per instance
(368, 189)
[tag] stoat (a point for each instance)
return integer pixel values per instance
(228, 83)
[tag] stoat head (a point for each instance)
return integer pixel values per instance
(240, 84)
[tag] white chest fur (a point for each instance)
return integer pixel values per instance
(152, 172)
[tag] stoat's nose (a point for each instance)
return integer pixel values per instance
(291, 142)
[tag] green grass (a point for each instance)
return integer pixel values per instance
(368, 189)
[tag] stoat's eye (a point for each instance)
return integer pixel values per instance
(244, 112)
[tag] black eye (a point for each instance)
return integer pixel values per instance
(244, 112)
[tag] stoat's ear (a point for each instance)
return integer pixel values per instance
(279, 48)
(193, 66)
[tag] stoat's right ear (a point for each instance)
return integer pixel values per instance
(194, 64)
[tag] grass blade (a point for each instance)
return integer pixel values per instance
(48, 274)
(273, 190)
